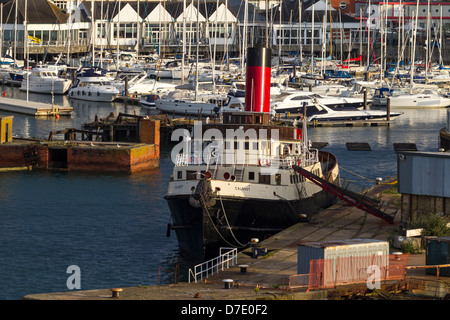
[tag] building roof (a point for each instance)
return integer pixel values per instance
(39, 12)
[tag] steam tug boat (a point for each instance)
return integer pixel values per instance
(234, 181)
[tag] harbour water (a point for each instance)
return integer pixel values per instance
(113, 226)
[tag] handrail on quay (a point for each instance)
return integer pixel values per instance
(437, 267)
(216, 264)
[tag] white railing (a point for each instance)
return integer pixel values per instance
(224, 260)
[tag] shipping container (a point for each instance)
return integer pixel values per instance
(339, 249)
(424, 173)
(438, 252)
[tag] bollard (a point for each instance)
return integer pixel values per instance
(116, 292)
(228, 283)
(243, 268)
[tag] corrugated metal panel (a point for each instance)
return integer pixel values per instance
(305, 254)
(424, 173)
(340, 248)
(438, 252)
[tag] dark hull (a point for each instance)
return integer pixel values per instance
(201, 232)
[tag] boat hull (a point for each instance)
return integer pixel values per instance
(232, 221)
(185, 107)
(57, 87)
(88, 95)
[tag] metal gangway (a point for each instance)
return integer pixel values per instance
(227, 258)
(363, 203)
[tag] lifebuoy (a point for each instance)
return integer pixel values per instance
(299, 162)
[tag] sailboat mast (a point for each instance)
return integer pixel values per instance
(184, 42)
(138, 28)
(118, 37)
(1, 30)
(25, 38)
(197, 44)
(93, 32)
(300, 38)
(427, 47)
(312, 40)
(440, 39)
(414, 45)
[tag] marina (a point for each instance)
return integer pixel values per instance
(157, 154)
(147, 191)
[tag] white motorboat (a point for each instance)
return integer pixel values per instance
(45, 79)
(319, 112)
(187, 102)
(140, 84)
(293, 102)
(404, 99)
(148, 101)
(93, 86)
(419, 100)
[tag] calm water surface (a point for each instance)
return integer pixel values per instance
(113, 226)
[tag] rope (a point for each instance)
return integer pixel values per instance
(228, 224)
(210, 219)
(390, 183)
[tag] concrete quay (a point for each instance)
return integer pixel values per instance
(271, 272)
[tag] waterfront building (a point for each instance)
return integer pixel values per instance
(147, 27)
(423, 184)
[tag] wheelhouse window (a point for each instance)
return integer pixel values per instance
(264, 178)
(191, 175)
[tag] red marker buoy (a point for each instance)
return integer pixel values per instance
(257, 83)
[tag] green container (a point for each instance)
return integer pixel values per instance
(438, 252)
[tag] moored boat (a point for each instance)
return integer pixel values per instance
(45, 79)
(92, 85)
(235, 181)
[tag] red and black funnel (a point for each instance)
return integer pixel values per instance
(257, 83)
